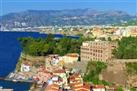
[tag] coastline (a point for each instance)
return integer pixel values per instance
(11, 58)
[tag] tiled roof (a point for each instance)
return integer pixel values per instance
(81, 88)
(75, 84)
(76, 75)
(59, 71)
(52, 87)
(72, 55)
(99, 86)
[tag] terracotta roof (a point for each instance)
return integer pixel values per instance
(59, 71)
(52, 87)
(86, 85)
(75, 78)
(76, 83)
(80, 88)
(99, 86)
(83, 90)
(76, 75)
(27, 63)
(72, 55)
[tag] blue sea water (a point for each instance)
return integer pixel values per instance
(10, 51)
(17, 86)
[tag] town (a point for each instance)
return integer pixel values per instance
(68, 45)
(73, 71)
(105, 31)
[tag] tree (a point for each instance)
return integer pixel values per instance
(109, 39)
(49, 45)
(94, 68)
(45, 49)
(120, 88)
(131, 68)
(127, 48)
(50, 37)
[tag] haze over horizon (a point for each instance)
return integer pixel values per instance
(8, 6)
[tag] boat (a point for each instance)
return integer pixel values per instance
(14, 80)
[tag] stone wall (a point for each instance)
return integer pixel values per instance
(124, 60)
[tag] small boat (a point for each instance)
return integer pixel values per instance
(14, 80)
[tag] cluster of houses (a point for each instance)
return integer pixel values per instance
(53, 60)
(40, 74)
(111, 32)
(54, 68)
(55, 77)
(64, 80)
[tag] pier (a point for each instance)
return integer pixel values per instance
(16, 80)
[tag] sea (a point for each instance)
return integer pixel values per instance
(10, 50)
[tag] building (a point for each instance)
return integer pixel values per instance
(42, 75)
(56, 60)
(97, 50)
(52, 87)
(99, 88)
(111, 88)
(61, 73)
(75, 78)
(70, 58)
(25, 67)
(133, 32)
(76, 83)
(97, 32)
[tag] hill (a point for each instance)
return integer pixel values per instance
(32, 18)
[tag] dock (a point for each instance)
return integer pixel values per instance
(16, 80)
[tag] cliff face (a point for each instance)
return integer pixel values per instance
(132, 80)
(117, 72)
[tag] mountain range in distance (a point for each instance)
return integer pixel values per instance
(36, 18)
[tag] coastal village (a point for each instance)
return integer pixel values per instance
(98, 31)
(68, 45)
(54, 76)
(65, 73)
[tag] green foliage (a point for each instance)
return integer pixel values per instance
(127, 48)
(93, 70)
(131, 67)
(131, 22)
(109, 39)
(18, 65)
(133, 89)
(103, 39)
(120, 88)
(49, 45)
(50, 38)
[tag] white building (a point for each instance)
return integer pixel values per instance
(25, 67)
(99, 88)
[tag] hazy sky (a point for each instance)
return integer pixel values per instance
(8, 6)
